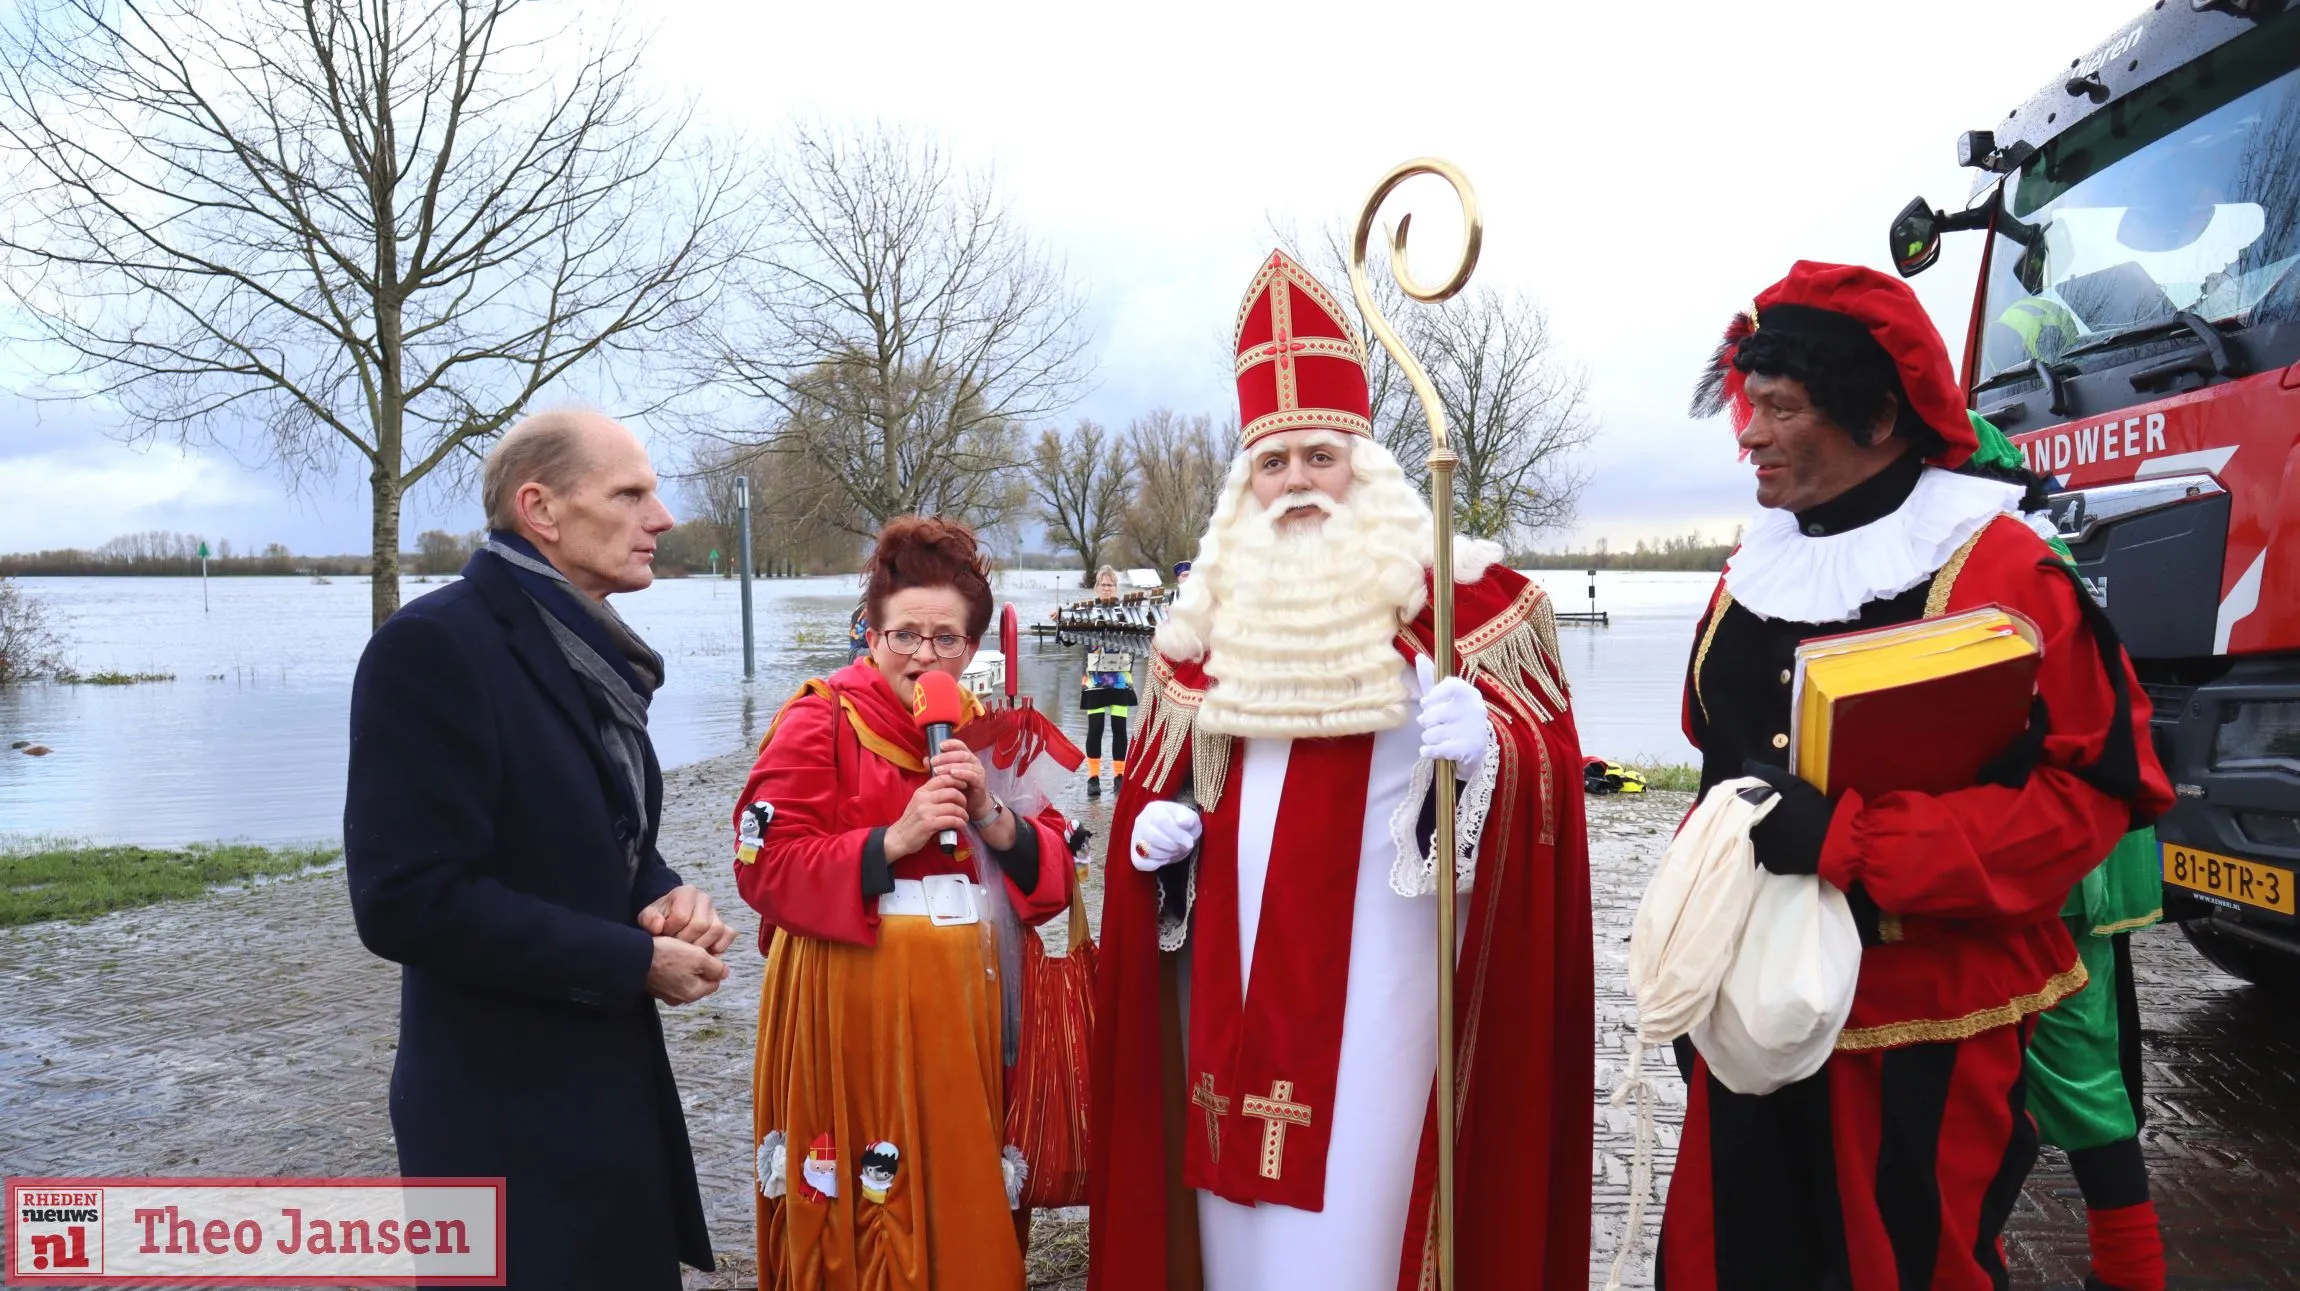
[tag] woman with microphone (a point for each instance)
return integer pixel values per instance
(892, 886)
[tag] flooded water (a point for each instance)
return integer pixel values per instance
(249, 741)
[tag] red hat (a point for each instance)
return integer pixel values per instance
(1888, 310)
(1300, 364)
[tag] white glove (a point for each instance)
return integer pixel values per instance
(1163, 834)
(1453, 718)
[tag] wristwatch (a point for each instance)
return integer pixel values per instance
(997, 809)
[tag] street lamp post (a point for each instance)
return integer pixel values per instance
(743, 522)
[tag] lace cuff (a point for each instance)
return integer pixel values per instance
(1173, 922)
(1413, 873)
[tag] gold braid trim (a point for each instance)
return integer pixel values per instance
(1701, 652)
(1935, 1030)
(2128, 925)
(1516, 650)
(1945, 582)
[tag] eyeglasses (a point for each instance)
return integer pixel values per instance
(905, 643)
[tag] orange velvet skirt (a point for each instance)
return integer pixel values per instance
(878, 1112)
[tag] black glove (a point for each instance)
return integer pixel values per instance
(1789, 839)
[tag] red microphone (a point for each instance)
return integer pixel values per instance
(936, 708)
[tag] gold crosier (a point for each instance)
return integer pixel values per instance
(1441, 466)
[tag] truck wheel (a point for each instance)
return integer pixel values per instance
(2254, 963)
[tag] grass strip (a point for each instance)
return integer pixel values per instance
(1672, 777)
(42, 880)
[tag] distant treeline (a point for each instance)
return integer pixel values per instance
(1692, 551)
(163, 553)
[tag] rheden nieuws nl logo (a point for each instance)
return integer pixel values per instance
(61, 1230)
(258, 1232)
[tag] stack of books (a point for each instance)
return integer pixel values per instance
(1917, 706)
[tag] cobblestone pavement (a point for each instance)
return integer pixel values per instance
(250, 1033)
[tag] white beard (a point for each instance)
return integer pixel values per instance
(1297, 625)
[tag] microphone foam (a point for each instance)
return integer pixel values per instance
(935, 699)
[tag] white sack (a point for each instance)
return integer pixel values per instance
(1789, 989)
(1690, 921)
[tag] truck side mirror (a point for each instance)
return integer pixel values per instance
(1916, 237)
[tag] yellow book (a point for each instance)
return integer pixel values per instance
(1917, 706)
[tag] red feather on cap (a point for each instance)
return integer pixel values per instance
(1720, 384)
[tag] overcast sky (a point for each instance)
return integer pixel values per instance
(1645, 170)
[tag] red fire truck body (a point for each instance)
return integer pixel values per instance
(2137, 333)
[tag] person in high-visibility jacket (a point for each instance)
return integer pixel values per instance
(1107, 696)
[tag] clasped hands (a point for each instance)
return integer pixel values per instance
(689, 940)
(1454, 726)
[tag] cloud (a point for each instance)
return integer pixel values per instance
(1645, 170)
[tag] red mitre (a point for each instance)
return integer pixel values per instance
(1889, 310)
(1300, 364)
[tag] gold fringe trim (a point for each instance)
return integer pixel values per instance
(2155, 916)
(1945, 582)
(1935, 1030)
(1701, 652)
(1169, 725)
(1517, 652)
(1209, 768)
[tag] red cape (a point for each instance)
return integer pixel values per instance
(1524, 998)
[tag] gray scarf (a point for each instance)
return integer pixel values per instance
(623, 715)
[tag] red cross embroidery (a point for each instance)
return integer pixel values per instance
(1284, 348)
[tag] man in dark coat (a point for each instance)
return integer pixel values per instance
(499, 833)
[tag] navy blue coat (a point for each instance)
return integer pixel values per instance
(481, 835)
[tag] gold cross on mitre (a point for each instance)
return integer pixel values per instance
(1276, 1113)
(1214, 1105)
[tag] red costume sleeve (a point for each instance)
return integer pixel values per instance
(808, 877)
(1995, 852)
(1051, 896)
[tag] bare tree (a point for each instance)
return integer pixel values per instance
(795, 524)
(1517, 417)
(1079, 482)
(900, 328)
(1517, 414)
(30, 646)
(1179, 464)
(385, 225)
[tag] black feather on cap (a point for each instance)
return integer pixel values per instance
(1714, 391)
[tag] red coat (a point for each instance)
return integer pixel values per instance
(841, 760)
(1970, 883)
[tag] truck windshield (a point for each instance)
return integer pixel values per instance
(2185, 195)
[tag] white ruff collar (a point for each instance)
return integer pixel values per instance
(1781, 573)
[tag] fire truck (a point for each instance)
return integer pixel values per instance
(2136, 332)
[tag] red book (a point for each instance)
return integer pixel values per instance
(1918, 706)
